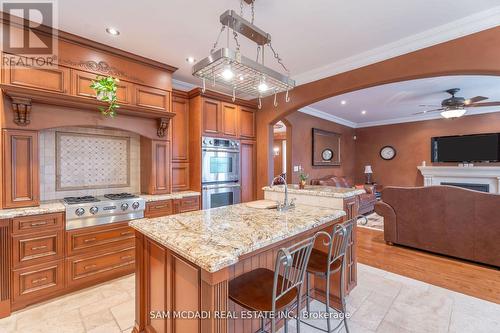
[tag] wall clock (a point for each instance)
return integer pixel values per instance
(327, 154)
(387, 153)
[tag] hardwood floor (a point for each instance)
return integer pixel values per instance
(454, 274)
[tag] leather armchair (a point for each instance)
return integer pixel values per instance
(366, 200)
(443, 219)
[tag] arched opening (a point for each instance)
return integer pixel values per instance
(456, 57)
(282, 149)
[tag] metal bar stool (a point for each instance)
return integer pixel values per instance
(324, 265)
(267, 291)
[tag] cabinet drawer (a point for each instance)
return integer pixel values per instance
(90, 268)
(188, 204)
(34, 282)
(37, 248)
(96, 238)
(36, 223)
(159, 208)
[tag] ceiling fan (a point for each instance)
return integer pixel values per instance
(455, 107)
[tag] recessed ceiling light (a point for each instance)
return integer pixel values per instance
(343, 102)
(190, 60)
(112, 31)
(363, 112)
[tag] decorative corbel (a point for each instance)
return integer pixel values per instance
(162, 127)
(22, 109)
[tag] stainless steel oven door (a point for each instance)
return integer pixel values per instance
(218, 195)
(220, 165)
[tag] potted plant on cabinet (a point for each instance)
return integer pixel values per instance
(105, 88)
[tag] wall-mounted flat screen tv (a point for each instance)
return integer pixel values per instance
(466, 148)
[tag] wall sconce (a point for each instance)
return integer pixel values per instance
(276, 151)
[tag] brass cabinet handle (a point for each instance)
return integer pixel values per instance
(126, 257)
(39, 280)
(38, 247)
(160, 207)
(125, 233)
(88, 240)
(89, 266)
(37, 224)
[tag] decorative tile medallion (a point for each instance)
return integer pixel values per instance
(91, 161)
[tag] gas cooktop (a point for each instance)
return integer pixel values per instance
(77, 200)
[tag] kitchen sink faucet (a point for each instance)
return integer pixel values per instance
(285, 205)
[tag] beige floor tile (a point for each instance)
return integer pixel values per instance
(378, 283)
(124, 314)
(104, 304)
(8, 325)
(415, 318)
(97, 319)
(388, 327)
(69, 322)
(110, 327)
(373, 310)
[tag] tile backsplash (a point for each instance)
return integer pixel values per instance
(78, 161)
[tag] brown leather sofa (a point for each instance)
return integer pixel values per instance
(443, 219)
(366, 201)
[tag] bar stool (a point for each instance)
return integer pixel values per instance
(266, 291)
(323, 265)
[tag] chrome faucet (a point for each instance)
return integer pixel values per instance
(285, 205)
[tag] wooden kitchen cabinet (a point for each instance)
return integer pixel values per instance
(5, 268)
(229, 119)
(211, 116)
(247, 123)
(55, 79)
(187, 204)
(152, 98)
(180, 129)
(81, 87)
(155, 166)
(159, 208)
(37, 248)
(248, 170)
(180, 177)
(20, 169)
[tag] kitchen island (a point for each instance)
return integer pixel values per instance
(185, 261)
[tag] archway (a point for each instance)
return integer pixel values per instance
(282, 149)
(456, 57)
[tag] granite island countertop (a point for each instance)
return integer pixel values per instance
(317, 190)
(215, 238)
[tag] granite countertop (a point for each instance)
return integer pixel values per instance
(215, 238)
(56, 206)
(317, 190)
(174, 195)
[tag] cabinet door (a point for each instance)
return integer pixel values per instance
(180, 129)
(152, 98)
(155, 166)
(81, 87)
(20, 169)
(229, 119)
(248, 172)
(212, 121)
(48, 79)
(247, 123)
(180, 176)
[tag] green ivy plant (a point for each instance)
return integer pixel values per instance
(105, 88)
(303, 176)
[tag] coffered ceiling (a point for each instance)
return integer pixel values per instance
(315, 38)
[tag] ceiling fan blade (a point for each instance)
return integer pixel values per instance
(428, 111)
(475, 100)
(478, 105)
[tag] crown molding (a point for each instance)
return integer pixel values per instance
(326, 116)
(181, 85)
(462, 27)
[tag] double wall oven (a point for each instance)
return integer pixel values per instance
(220, 172)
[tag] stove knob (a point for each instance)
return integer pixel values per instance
(93, 210)
(79, 211)
(124, 206)
(135, 205)
(210, 142)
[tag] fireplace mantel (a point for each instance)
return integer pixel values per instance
(435, 175)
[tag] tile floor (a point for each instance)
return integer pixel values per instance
(382, 302)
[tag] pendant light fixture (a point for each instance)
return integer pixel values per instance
(229, 68)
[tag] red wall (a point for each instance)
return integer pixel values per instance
(413, 145)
